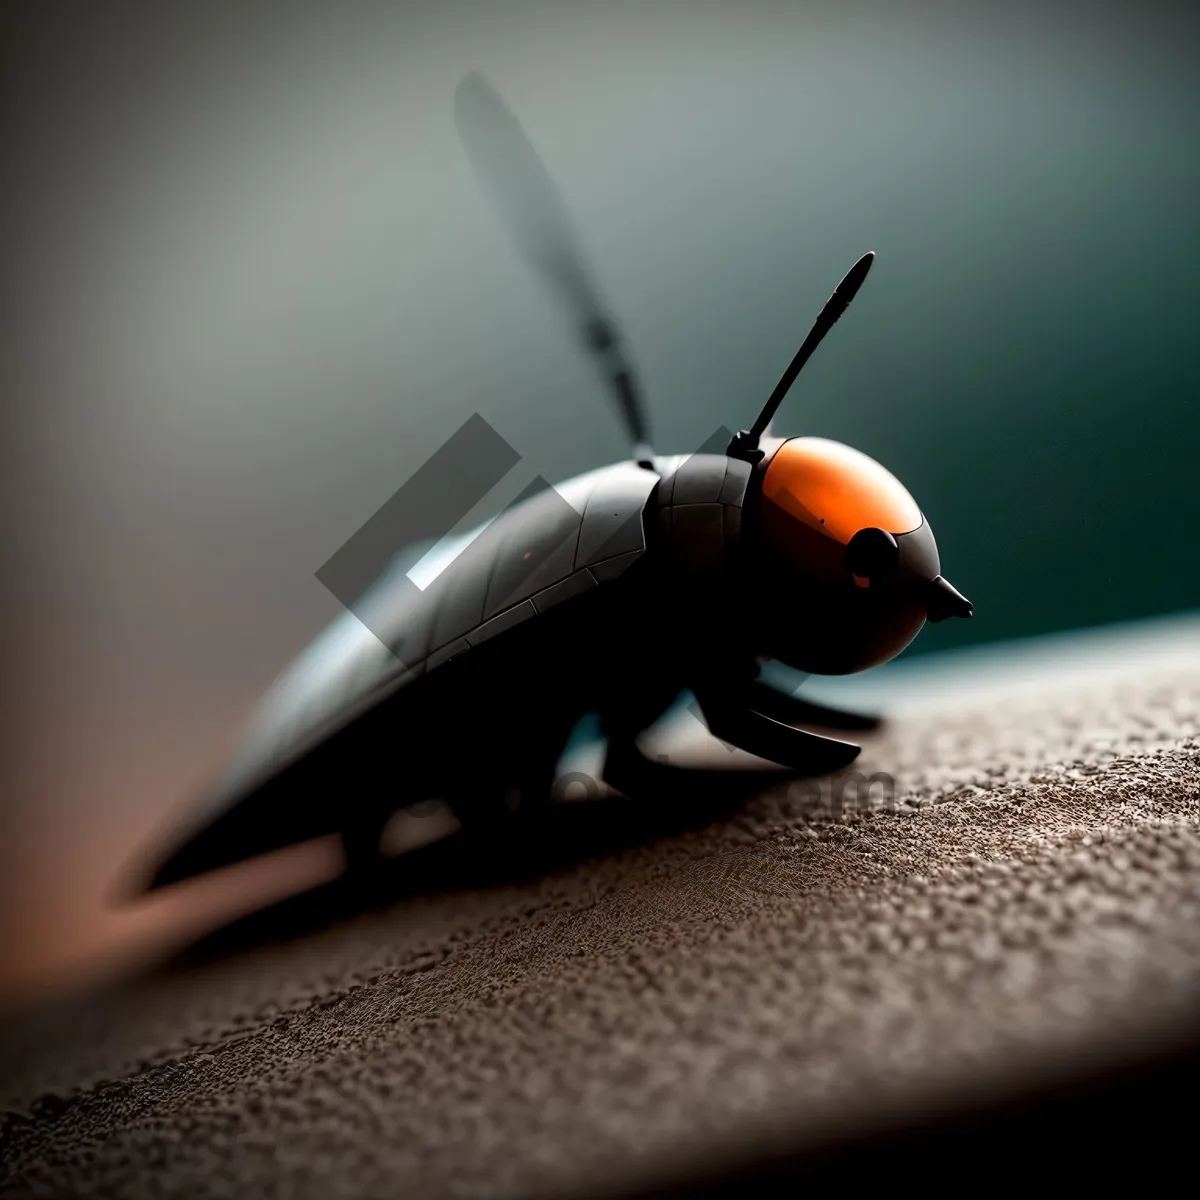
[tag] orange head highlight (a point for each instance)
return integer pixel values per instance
(847, 558)
(837, 490)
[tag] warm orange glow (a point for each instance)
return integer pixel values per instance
(838, 490)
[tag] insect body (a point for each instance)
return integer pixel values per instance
(611, 593)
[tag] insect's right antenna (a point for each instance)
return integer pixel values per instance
(745, 444)
(509, 169)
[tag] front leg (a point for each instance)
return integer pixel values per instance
(730, 715)
(633, 774)
(362, 836)
(794, 710)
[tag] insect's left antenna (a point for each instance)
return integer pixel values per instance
(510, 171)
(745, 444)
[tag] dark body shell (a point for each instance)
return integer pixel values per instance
(585, 597)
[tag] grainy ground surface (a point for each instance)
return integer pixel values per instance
(770, 978)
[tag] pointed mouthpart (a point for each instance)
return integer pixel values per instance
(946, 601)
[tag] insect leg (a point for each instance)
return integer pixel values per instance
(732, 719)
(635, 775)
(361, 835)
(794, 710)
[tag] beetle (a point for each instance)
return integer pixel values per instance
(610, 594)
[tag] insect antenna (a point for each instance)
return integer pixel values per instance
(745, 444)
(509, 170)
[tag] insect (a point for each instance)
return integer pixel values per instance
(611, 594)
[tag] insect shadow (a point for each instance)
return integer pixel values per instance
(557, 837)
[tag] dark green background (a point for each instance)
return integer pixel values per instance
(257, 286)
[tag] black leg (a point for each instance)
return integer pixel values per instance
(730, 718)
(628, 770)
(482, 808)
(793, 710)
(512, 799)
(360, 841)
(535, 778)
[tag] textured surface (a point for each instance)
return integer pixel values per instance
(784, 973)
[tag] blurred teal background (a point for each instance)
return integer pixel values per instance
(252, 285)
(259, 284)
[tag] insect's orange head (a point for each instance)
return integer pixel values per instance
(852, 570)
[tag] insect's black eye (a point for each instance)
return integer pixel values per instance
(872, 554)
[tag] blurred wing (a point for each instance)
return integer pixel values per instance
(554, 546)
(511, 173)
